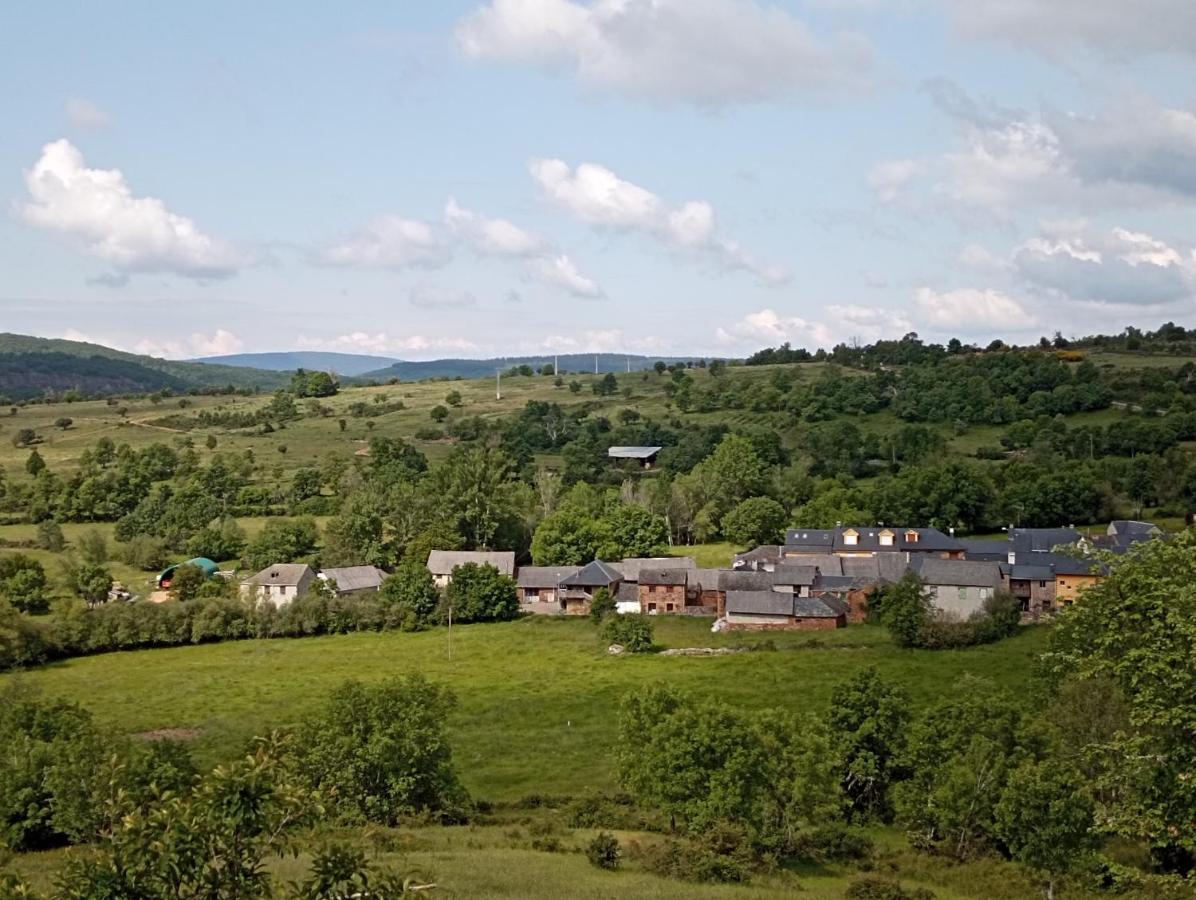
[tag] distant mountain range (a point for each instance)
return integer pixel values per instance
(349, 364)
(380, 368)
(32, 367)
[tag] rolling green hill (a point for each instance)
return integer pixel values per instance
(32, 367)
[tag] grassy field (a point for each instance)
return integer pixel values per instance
(538, 698)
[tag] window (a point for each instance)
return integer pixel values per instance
(851, 537)
(985, 593)
(886, 539)
(668, 607)
(911, 537)
(651, 607)
(1042, 584)
(963, 593)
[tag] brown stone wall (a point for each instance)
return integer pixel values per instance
(793, 625)
(662, 595)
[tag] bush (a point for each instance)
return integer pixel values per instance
(873, 887)
(685, 861)
(481, 594)
(833, 843)
(602, 605)
(632, 632)
(379, 752)
(604, 851)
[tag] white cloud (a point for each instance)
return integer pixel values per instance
(841, 323)
(889, 179)
(428, 296)
(1116, 27)
(599, 197)
(705, 52)
(84, 115)
(382, 343)
(497, 237)
(560, 271)
(599, 341)
(391, 242)
(1134, 153)
(218, 343)
(971, 310)
(1074, 261)
(134, 234)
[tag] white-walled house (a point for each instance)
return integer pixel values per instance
(279, 584)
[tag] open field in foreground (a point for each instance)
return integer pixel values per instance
(538, 698)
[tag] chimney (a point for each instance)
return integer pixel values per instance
(951, 531)
(1012, 558)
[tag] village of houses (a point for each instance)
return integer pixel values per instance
(818, 579)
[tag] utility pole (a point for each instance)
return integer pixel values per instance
(629, 365)
(498, 383)
(595, 363)
(556, 364)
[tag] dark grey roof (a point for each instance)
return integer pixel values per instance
(283, 574)
(632, 452)
(632, 566)
(826, 563)
(544, 576)
(667, 575)
(731, 580)
(1130, 527)
(834, 584)
(442, 562)
(594, 574)
(355, 578)
(1045, 566)
(837, 606)
(870, 538)
(705, 579)
(765, 553)
(862, 568)
(986, 551)
(958, 572)
(759, 603)
(628, 592)
(786, 574)
(1042, 540)
(814, 540)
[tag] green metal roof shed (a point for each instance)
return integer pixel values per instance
(202, 563)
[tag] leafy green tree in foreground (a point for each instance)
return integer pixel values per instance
(905, 609)
(868, 722)
(1136, 630)
(379, 752)
(410, 593)
(1046, 818)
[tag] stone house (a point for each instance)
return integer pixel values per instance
(539, 587)
(781, 611)
(958, 586)
(577, 590)
(442, 562)
(663, 589)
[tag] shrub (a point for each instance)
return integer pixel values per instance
(481, 594)
(873, 887)
(379, 752)
(833, 843)
(604, 851)
(632, 632)
(602, 605)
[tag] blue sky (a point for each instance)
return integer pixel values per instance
(657, 176)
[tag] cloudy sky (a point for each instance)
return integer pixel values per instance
(514, 176)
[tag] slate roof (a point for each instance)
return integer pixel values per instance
(543, 576)
(786, 575)
(1130, 527)
(594, 574)
(442, 562)
(826, 563)
(1041, 540)
(771, 603)
(958, 572)
(1045, 566)
(355, 578)
(705, 579)
(986, 551)
(666, 575)
(868, 539)
(835, 584)
(759, 603)
(628, 592)
(632, 566)
(765, 553)
(810, 540)
(742, 580)
(632, 452)
(288, 574)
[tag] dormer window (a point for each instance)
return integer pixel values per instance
(911, 537)
(886, 538)
(851, 537)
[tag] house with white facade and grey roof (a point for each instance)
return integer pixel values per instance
(442, 562)
(279, 584)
